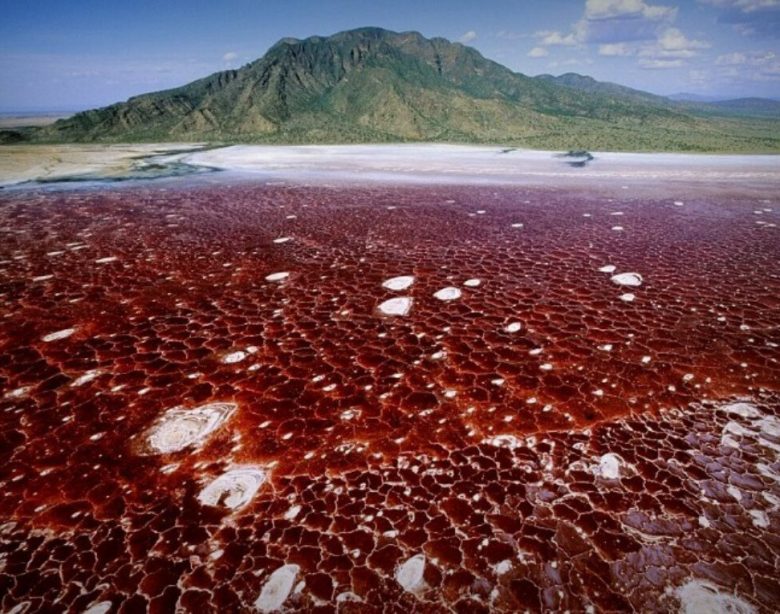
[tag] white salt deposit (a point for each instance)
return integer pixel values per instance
(101, 607)
(503, 441)
(513, 327)
(410, 574)
(277, 276)
(402, 282)
(399, 306)
(517, 225)
(234, 488)
(180, 428)
(292, 513)
(744, 410)
(234, 357)
(702, 597)
(449, 293)
(608, 268)
(282, 240)
(106, 260)
(609, 466)
(85, 377)
(628, 297)
(627, 279)
(60, 334)
(277, 588)
(472, 283)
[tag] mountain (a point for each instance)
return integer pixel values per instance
(376, 85)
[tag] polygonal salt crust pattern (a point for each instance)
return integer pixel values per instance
(612, 479)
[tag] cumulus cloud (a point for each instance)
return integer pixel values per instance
(468, 37)
(615, 49)
(555, 38)
(750, 65)
(632, 9)
(538, 52)
(229, 56)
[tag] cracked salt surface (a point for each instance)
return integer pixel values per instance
(702, 597)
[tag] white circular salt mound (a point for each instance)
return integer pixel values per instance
(449, 293)
(234, 357)
(701, 597)
(101, 607)
(277, 588)
(282, 275)
(402, 282)
(609, 466)
(472, 283)
(627, 279)
(234, 488)
(410, 573)
(399, 306)
(608, 268)
(180, 428)
(513, 327)
(60, 334)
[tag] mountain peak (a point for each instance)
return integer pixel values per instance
(373, 84)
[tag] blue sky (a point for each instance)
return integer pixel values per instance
(76, 54)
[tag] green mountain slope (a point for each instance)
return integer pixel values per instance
(375, 85)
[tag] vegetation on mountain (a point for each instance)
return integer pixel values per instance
(373, 85)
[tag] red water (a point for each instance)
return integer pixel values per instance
(383, 430)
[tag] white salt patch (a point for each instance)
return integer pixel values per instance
(60, 334)
(734, 492)
(410, 574)
(42, 277)
(502, 567)
(277, 588)
(760, 519)
(517, 225)
(608, 268)
(744, 410)
(449, 293)
(282, 239)
(292, 513)
(180, 428)
(277, 276)
(609, 466)
(401, 282)
(234, 357)
(702, 597)
(472, 283)
(607, 347)
(86, 377)
(546, 367)
(513, 327)
(106, 260)
(618, 228)
(503, 441)
(703, 522)
(646, 359)
(628, 297)
(399, 306)
(234, 488)
(770, 426)
(627, 279)
(678, 203)
(101, 607)
(347, 596)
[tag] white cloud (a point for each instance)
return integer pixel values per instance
(229, 56)
(615, 49)
(538, 52)
(468, 37)
(656, 64)
(672, 40)
(555, 38)
(611, 9)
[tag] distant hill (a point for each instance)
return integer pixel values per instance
(376, 85)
